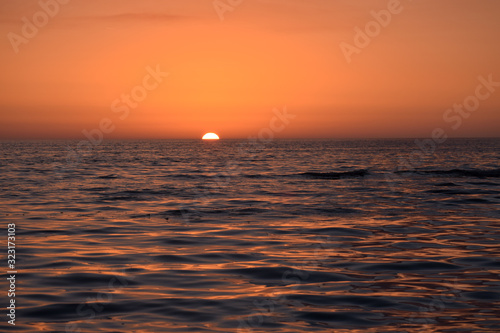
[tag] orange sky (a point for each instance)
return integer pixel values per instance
(226, 76)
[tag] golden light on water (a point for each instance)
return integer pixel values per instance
(210, 136)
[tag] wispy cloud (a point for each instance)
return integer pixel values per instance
(123, 17)
(137, 16)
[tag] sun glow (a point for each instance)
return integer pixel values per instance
(210, 136)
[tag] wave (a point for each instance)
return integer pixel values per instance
(357, 173)
(478, 173)
(336, 175)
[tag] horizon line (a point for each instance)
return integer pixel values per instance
(242, 138)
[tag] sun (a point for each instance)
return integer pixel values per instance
(210, 136)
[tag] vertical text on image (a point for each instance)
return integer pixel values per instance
(11, 273)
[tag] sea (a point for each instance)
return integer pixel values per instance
(372, 235)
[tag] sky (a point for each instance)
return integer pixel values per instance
(179, 69)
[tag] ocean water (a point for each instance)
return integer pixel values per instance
(239, 236)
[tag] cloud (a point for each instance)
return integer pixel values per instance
(145, 17)
(138, 17)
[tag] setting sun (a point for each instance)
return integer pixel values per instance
(210, 136)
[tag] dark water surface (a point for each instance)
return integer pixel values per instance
(229, 236)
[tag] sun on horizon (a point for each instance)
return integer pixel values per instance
(210, 136)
